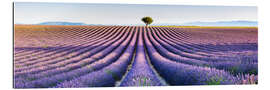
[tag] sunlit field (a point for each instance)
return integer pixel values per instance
(47, 56)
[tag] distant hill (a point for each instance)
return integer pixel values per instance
(218, 23)
(223, 23)
(61, 23)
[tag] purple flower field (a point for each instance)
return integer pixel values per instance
(48, 56)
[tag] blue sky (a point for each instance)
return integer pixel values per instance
(89, 13)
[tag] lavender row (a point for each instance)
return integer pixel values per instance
(56, 63)
(68, 52)
(181, 44)
(221, 37)
(17, 59)
(141, 74)
(53, 80)
(179, 38)
(107, 76)
(235, 65)
(58, 34)
(183, 74)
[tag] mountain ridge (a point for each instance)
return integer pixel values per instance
(199, 23)
(61, 23)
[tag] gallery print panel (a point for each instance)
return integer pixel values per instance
(83, 45)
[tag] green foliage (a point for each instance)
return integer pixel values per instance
(114, 75)
(253, 71)
(215, 81)
(147, 20)
(233, 69)
(31, 78)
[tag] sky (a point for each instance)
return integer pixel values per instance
(129, 14)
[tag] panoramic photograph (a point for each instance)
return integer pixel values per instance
(86, 45)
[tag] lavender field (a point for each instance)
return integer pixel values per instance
(55, 56)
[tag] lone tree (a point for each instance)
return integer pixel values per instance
(147, 20)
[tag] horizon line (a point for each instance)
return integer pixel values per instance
(142, 24)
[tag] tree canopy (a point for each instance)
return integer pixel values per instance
(147, 20)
